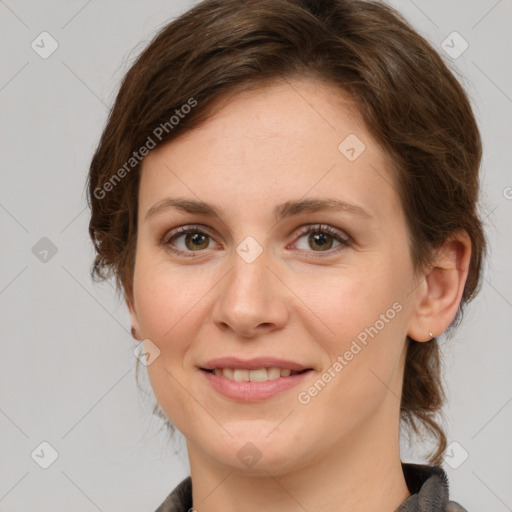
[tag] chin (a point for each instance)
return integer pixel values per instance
(255, 452)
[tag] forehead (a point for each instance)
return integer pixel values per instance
(290, 111)
(276, 142)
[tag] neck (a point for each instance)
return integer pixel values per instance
(362, 473)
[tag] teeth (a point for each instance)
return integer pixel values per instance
(241, 375)
(258, 375)
(273, 373)
(229, 373)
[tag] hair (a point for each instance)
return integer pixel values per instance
(408, 97)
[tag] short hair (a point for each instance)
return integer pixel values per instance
(408, 97)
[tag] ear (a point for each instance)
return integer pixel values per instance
(130, 303)
(439, 294)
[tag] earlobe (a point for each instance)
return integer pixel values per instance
(439, 296)
(135, 329)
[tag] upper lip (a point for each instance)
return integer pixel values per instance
(253, 364)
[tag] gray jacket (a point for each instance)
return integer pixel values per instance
(428, 486)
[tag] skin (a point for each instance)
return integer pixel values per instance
(262, 148)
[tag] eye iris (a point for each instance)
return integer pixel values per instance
(199, 241)
(319, 239)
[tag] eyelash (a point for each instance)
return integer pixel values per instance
(345, 241)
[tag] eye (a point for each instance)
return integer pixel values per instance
(321, 238)
(187, 239)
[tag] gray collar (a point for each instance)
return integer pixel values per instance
(428, 486)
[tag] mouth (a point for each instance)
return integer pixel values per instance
(253, 380)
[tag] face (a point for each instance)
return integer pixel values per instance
(326, 287)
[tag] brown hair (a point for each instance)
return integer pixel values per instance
(409, 99)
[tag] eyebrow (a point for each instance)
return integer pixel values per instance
(288, 209)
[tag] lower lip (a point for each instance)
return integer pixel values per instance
(248, 391)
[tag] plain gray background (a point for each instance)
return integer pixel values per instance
(67, 369)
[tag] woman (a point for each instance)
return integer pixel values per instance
(286, 192)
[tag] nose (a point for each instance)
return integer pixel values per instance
(251, 300)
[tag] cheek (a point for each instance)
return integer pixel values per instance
(168, 306)
(360, 323)
(343, 302)
(166, 297)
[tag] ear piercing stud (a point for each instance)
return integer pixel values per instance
(430, 334)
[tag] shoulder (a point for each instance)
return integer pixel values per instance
(429, 488)
(453, 506)
(180, 499)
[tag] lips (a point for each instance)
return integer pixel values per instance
(255, 379)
